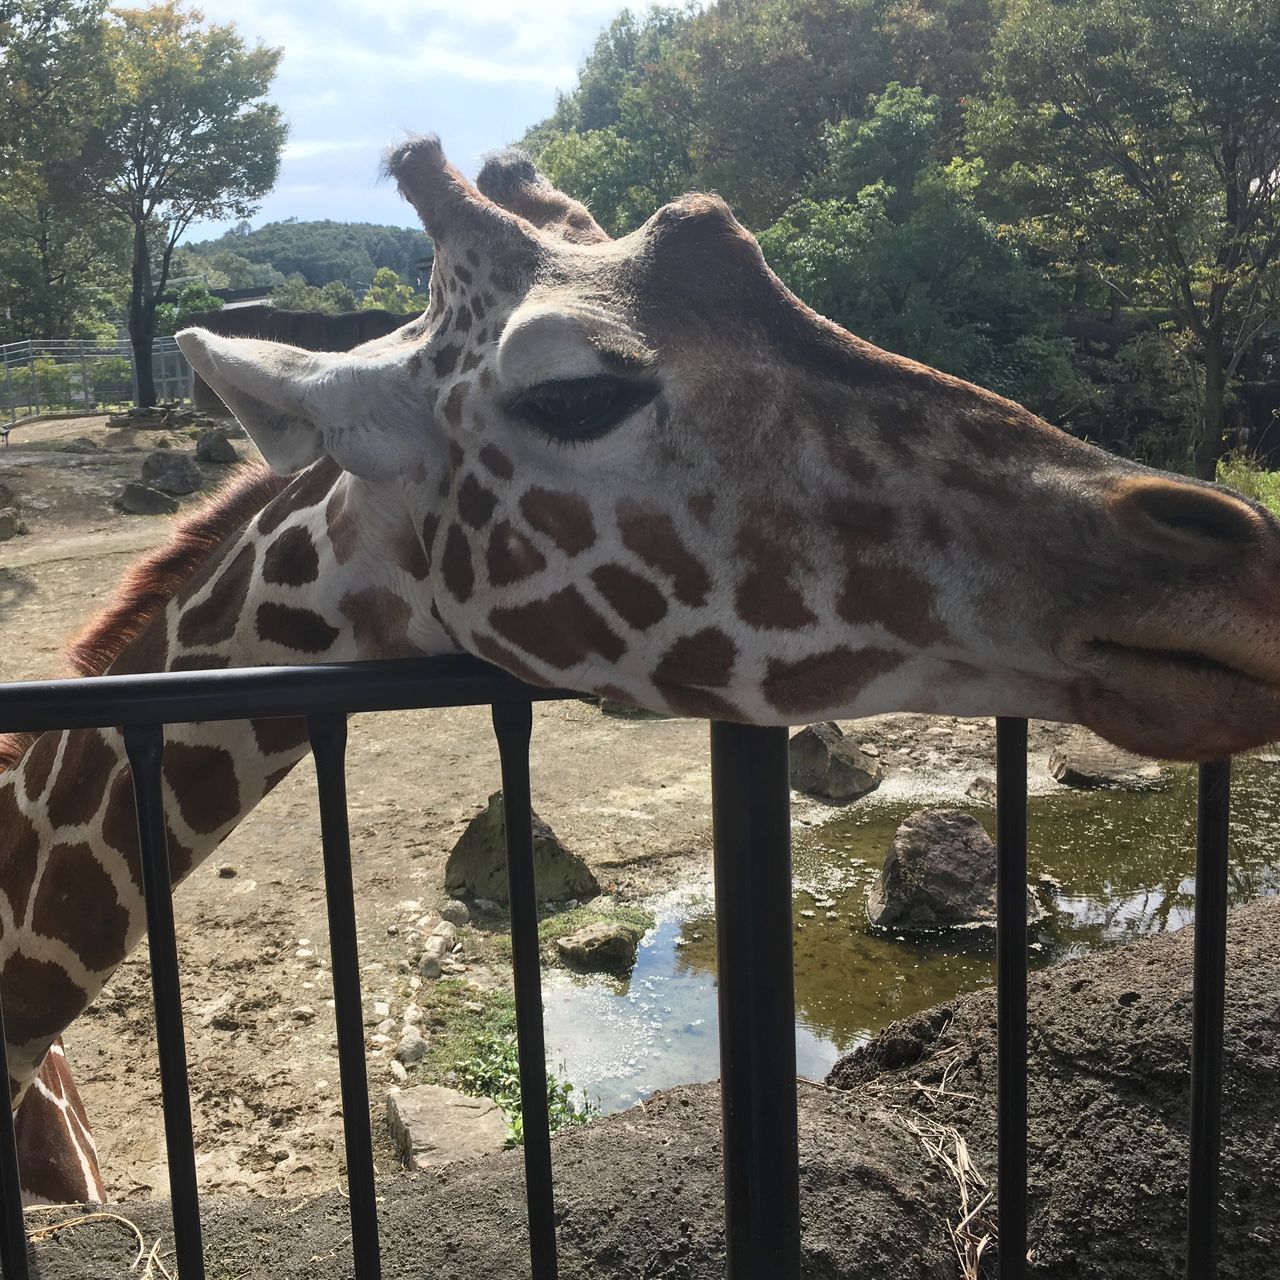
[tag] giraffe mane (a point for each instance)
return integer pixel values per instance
(152, 581)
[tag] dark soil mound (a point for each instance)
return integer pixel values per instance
(639, 1194)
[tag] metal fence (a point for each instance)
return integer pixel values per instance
(751, 820)
(83, 375)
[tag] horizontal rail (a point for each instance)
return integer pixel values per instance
(244, 693)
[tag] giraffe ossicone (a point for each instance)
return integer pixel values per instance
(640, 468)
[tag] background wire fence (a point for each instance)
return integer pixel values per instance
(42, 376)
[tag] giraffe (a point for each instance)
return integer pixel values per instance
(643, 469)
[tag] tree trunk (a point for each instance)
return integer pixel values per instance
(1213, 437)
(142, 317)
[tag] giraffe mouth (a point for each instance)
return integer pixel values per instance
(1179, 704)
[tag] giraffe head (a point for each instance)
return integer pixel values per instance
(643, 468)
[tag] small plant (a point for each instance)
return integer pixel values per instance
(494, 1072)
(1243, 474)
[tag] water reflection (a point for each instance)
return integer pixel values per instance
(1126, 864)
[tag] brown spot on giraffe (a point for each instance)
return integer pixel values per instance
(214, 619)
(303, 630)
(86, 768)
(900, 601)
(701, 506)
(380, 620)
(705, 659)
(511, 557)
(340, 520)
(633, 598)
(446, 360)
(37, 763)
(282, 733)
(459, 575)
(652, 535)
(475, 503)
(766, 597)
(205, 784)
(497, 462)
(200, 662)
(825, 679)
(489, 648)
(291, 560)
(409, 554)
(563, 517)
(304, 492)
(18, 869)
(453, 403)
(149, 652)
(76, 887)
(562, 630)
(40, 998)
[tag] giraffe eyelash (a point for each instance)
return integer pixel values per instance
(579, 410)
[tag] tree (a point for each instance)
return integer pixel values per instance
(187, 137)
(295, 294)
(1160, 118)
(60, 257)
(389, 293)
(192, 299)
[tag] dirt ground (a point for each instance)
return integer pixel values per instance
(631, 796)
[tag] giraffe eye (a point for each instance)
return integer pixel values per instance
(576, 409)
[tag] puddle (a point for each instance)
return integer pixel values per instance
(1126, 863)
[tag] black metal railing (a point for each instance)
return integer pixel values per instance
(751, 806)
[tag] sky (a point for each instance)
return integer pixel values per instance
(357, 76)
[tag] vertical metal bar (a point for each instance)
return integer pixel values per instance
(1011, 997)
(144, 745)
(751, 816)
(513, 727)
(13, 1235)
(85, 389)
(328, 745)
(1213, 814)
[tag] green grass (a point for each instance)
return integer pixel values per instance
(472, 1047)
(1245, 476)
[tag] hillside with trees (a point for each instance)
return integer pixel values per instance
(1074, 202)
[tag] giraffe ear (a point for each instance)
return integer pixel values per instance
(299, 406)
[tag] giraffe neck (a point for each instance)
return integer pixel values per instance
(327, 571)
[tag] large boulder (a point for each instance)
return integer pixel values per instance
(431, 1125)
(939, 873)
(826, 763)
(477, 865)
(7, 497)
(172, 471)
(1085, 760)
(213, 446)
(143, 500)
(11, 524)
(606, 947)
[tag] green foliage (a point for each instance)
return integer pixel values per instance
(493, 1071)
(472, 1048)
(319, 252)
(295, 294)
(191, 300)
(389, 293)
(1245, 476)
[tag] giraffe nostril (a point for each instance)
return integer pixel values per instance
(1180, 515)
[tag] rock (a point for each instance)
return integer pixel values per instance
(939, 873)
(412, 1047)
(11, 524)
(172, 472)
(608, 947)
(431, 1125)
(1085, 760)
(982, 790)
(7, 497)
(213, 446)
(456, 912)
(826, 763)
(431, 965)
(303, 1013)
(143, 500)
(81, 444)
(478, 862)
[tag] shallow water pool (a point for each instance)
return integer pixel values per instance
(1125, 861)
